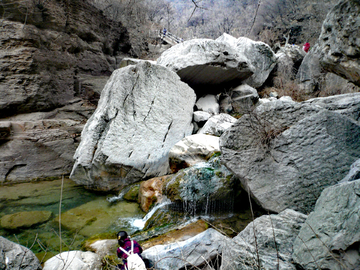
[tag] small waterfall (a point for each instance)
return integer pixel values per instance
(116, 198)
(140, 223)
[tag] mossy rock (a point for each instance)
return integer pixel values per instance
(21, 220)
(133, 193)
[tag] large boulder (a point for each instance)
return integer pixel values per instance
(15, 256)
(199, 251)
(143, 111)
(338, 41)
(330, 237)
(266, 243)
(206, 64)
(47, 46)
(260, 55)
(209, 104)
(74, 260)
(310, 72)
(286, 153)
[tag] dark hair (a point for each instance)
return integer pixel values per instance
(121, 236)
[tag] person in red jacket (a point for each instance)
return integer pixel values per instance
(125, 242)
(306, 47)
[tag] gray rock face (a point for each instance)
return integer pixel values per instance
(339, 42)
(346, 104)
(273, 243)
(195, 251)
(41, 145)
(260, 55)
(205, 64)
(14, 256)
(330, 237)
(74, 260)
(41, 61)
(200, 116)
(312, 77)
(286, 153)
(191, 150)
(143, 111)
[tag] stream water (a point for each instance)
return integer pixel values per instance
(84, 214)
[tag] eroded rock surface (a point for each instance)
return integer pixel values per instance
(46, 47)
(339, 41)
(286, 153)
(74, 260)
(41, 145)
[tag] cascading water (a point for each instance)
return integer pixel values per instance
(138, 224)
(114, 199)
(205, 189)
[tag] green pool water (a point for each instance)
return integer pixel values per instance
(84, 214)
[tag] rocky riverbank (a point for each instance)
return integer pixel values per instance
(297, 160)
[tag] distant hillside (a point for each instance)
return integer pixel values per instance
(267, 20)
(271, 21)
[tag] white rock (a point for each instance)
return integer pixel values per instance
(217, 124)
(201, 116)
(193, 149)
(74, 260)
(208, 104)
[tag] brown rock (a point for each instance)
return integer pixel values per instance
(151, 192)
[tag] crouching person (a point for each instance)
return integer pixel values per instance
(129, 251)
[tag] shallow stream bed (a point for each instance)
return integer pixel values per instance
(84, 214)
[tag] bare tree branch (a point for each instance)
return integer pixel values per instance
(255, 15)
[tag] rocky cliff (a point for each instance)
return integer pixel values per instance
(56, 56)
(46, 48)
